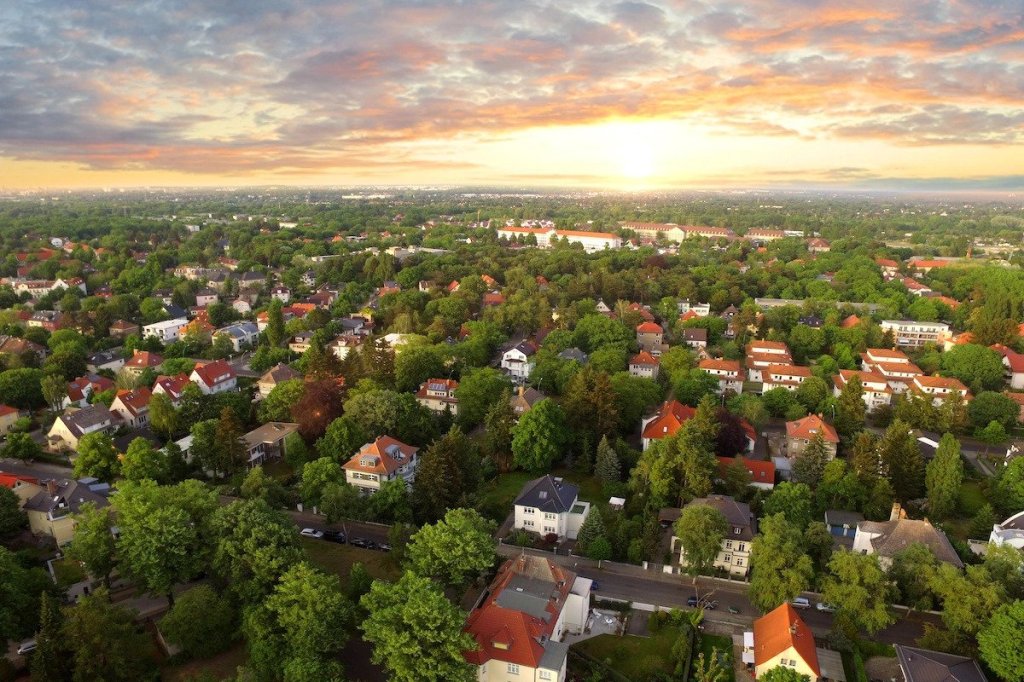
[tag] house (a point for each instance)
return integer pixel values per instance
(1013, 363)
(922, 665)
(52, 504)
(666, 422)
(762, 472)
(80, 390)
(574, 355)
(876, 390)
(649, 336)
(889, 538)
(14, 345)
(937, 388)
(105, 359)
(842, 524)
(762, 354)
(521, 618)
(915, 334)
(165, 331)
(1009, 532)
(698, 309)
(439, 395)
(849, 322)
(524, 399)
(890, 268)
(695, 337)
(927, 265)
(301, 342)
(281, 293)
(205, 297)
(550, 506)
(277, 374)
(242, 335)
(1019, 399)
(266, 442)
(788, 377)
(385, 459)
(214, 377)
(734, 556)
(818, 245)
(132, 406)
(894, 365)
(728, 372)
(343, 345)
(518, 361)
(8, 417)
(72, 425)
(241, 306)
(801, 432)
(171, 386)
(781, 638)
(916, 288)
(122, 328)
(140, 361)
(643, 365)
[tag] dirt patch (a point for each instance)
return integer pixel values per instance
(882, 668)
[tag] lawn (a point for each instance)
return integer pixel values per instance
(338, 559)
(708, 644)
(637, 658)
(68, 572)
(223, 666)
(971, 498)
(498, 494)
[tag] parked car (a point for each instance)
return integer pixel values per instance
(801, 603)
(691, 602)
(827, 608)
(594, 586)
(734, 609)
(335, 536)
(361, 542)
(27, 647)
(311, 533)
(383, 546)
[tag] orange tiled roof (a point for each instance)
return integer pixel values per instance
(670, 417)
(781, 630)
(810, 426)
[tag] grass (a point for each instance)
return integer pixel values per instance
(278, 469)
(68, 572)
(708, 645)
(499, 494)
(971, 499)
(338, 559)
(223, 666)
(638, 658)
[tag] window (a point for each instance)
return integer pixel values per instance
(737, 530)
(513, 668)
(742, 547)
(528, 523)
(549, 529)
(544, 674)
(728, 544)
(549, 517)
(728, 558)
(528, 510)
(739, 562)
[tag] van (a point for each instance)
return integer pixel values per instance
(27, 647)
(801, 603)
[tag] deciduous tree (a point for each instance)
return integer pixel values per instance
(1001, 642)
(943, 478)
(780, 568)
(94, 542)
(539, 437)
(700, 529)
(97, 457)
(104, 642)
(453, 549)
(201, 622)
(257, 545)
(860, 590)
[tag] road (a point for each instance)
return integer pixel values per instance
(303, 519)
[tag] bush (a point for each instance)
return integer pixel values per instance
(520, 538)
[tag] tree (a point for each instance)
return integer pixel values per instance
(589, 403)
(700, 529)
(539, 437)
(379, 411)
(94, 542)
(275, 324)
(256, 545)
(97, 457)
(446, 476)
(21, 446)
(12, 518)
(860, 591)
(943, 478)
(982, 522)
(21, 589)
(968, 598)
(22, 388)
(258, 484)
(1009, 486)
(342, 438)
(316, 476)
(809, 465)
(319, 404)
(591, 529)
(710, 669)
(340, 501)
(793, 501)
(850, 410)
(141, 461)
(50, 661)
(607, 468)
(498, 424)
(993, 434)
(811, 393)
(477, 391)
(54, 389)
(158, 544)
(277, 406)
(901, 460)
(415, 365)
(454, 549)
(818, 545)
(416, 632)
(163, 417)
(1001, 642)
(780, 569)
(979, 367)
(391, 504)
(913, 570)
(633, 397)
(201, 622)
(104, 643)
(783, 674)
(989, 406)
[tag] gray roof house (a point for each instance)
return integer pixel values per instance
(550, 506)
(574, 354)
(889, 538)
(922, 665)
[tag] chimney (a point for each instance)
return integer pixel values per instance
(897, 512)
(51, 487)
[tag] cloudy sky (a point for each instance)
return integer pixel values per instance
(683, 93)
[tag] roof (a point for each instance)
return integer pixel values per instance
(721, 365)
(643, 358)
(279, 373)
(922, 665)
(845, 375)
(135, 401)
(80, 420)
(810, 426)
(737, 513)
(925, 263)
(946, 383)
(892, 537)
(762, 346)
(214, 373)
(1014, 359)
(173, 386)
(548, 494)
(649, 328)
(761, 471)
(887, 263)
(781, 630)
(695, 334)
(271, 432)
(789, 370)
(70, 493)
(143, 358)
(842, 517)
(383, 456)
(7, 409)
(886, 354)
(851, 321)
(669, 418)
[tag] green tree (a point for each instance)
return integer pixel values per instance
(54, 391)
(12, 518)
(589, 403)
(1001, 642)
(943, 478)
(201, 622)
(993, 434)
(277, 406)
(968, 598)
(21, 446)
(416, 632)
(860, 590)
(539, 437)
(591, 529)
(259, 484)
(478, 389)
(22, 387)
(454, 549)
(97, 457)
(793, 501)
(989, 406)
(912, 571)
(141, 461)
(783, 674)
(341, 439)
(982, 522)
(780, 568)
(256, 545)
(415, 365)
(499, 422)
(812, 393)
(850, 411)
(316, 476)
(711, 669)
(1009, 486)
(94, 542)
(809, 465)
(979, 367)
(901, 459)
(275, 324)
(104, 642)
(700, 529)
(50, 661)
(342, 501)
(21, 589)
(163, 417)
(607, 468)
(446, 477)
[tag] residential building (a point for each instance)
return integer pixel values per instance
(439, 395)
(643, 365)
(524, 398)
(165, 331)
(890, 268)
(8, 417)
(546, 237)
(79, 390)
(764, 235)
(698, 309)
(14, 345)
(50, 505)
(574, 355)
(344, 344)
(876, 390)
(842, 524)
(672, 232)
(888, 538)
(788, 377)
(1009, 532)
(939, 387)
(521, 619)
(276, 375)
(550, 506)
(518, 361)
(818, 245)
(214, 377)
(105, 359)
(762, 472)
(927, 265)
(894, 365)
(922, 665)
(915, 334)
(171, 386)
(281, 293)
(649, 336)
(734, 556)
(132, 406)
(301, 342)
(242, 335)
(728, 372)
(72, 425)
(781, 638)
(385, 459)
(801, 432)
(267, 442)
(695, 337)
(763, 354)
(205, 297)
(1013, 364)
(122, 328)
(666, 422)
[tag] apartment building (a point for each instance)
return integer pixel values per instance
(911, 334)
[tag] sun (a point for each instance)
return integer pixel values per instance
(637, 163)
(632, 149)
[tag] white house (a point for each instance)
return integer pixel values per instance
(214, 377)
(518, 362)
(643, 365)
(728, 372)
(438, 395)
(699, 309)
(1009, 532)
(937, 388)
(886, 539)
(877, 392)
(549, 505)
(132, 406)
(737, 545)
(242, 334)
(71, 426)
(894, 365)
(762, 354)
(915, 334)
(385, 459)
(788, 377)
(166, 331)
(205, 297)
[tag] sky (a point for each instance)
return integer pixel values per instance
(631, 95)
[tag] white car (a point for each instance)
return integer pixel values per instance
(801, 603)
(311, 533)
(827, 608)
(27, 647)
